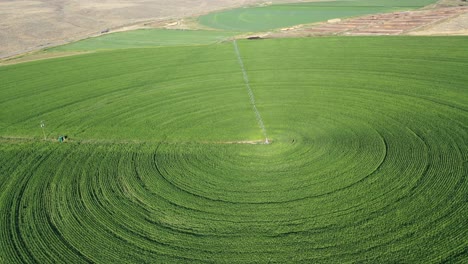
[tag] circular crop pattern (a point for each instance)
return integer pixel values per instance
(267, 17)
(367, 160)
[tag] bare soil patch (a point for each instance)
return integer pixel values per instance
(430, 21)
(454, 26)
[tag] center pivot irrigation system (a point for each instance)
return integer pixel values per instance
(251, 95)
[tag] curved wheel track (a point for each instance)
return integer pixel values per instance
(368, 161)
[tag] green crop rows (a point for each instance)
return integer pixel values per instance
(147, 38)
(285, 15)
(368, 160)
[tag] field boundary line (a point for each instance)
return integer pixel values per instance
(250, 92)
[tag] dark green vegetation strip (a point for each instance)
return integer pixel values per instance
(285, 15)
(147, 38)
(368, 161)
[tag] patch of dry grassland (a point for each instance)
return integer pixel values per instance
(31, 25)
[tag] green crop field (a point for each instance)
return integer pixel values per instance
(147, 38)
(285, 15)
(368, 160)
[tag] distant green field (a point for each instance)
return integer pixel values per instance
(285, 15)
(147, 38)
(368, 162)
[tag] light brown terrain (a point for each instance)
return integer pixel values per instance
(34, 24)
(31, 25)
(455, 26)
(448, 17)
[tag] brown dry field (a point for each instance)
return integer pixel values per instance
(446, 17)
(34, 24)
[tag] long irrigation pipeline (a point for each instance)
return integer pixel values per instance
(251, 95)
